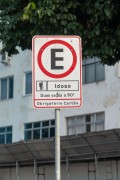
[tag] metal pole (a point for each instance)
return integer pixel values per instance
(96, 167)
(57, 144)
(35, 170)
(117, 169)
(17, 170)
(44, 172)
(67, 168)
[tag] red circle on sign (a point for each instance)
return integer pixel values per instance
(62, 74)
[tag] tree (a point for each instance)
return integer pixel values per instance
(96, 21)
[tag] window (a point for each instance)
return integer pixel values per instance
(6, 135)
(2, 56)
(6, 88)
(28, 83)
(93, 70)
(40, 130)
(88, 123)
(85, 123)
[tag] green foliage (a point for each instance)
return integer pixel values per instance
(96, 21)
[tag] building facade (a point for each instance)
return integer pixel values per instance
(19, 121)
(100, 109)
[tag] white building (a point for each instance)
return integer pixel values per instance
(19, 121)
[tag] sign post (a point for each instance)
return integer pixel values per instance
(57, 144)
(57, 78)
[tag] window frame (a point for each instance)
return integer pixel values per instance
(2, 55)
(88, 62)
(94, 123)
(40, 128)
(25, 81)
(8, 88)
(5, 133)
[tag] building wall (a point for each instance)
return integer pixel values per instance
(107, 170)
(97, 97)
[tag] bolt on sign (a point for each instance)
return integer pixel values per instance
(57, 71)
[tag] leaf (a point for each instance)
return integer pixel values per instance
(49, 12)
(107, 12)
(97, 30)
(31, 5)
(25, 17)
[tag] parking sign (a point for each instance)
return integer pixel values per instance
(57, 71)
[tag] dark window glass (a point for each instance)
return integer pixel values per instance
(88, 128)
(88, 118)
(36, 134)
(52, 122)
(6, 88)
(28, 126)
(8, 138)
(52, 132)
(2, 130)
(3, 56)
(45, 133)
(9, 129)
(90, 73)
(28, 86)
(2, 139)
(36, 124)
(83, 74)
(100, 72)
(11, 87)
(88, 123)
(28, 135)
(45, 123)
(0, 56)
(3, 89)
